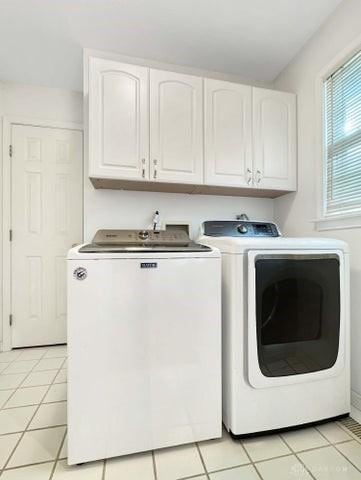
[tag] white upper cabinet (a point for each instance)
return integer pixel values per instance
(274, 139)
(118, 120)
(228, 134)
(151, 129)
(176, 128)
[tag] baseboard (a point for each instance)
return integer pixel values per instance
(355, 406)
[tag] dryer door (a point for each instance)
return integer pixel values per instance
(296, 316)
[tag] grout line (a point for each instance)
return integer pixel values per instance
(202, 460)
(298, 458)
(34, 429)
(58, 455)
(192, 477)
(104, 469)
(154, 466)
(34, 404)
(344, 456)
(18, 467)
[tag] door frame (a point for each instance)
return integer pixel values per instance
(8, 123)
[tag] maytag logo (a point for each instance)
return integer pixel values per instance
(149, 265)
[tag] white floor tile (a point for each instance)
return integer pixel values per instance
(328, 464)
(88, 471)
(39, 378)
(48, 415)
(3, 366)
(5, 395)
(34, 472)
(284, 468)
(333, 432)
(56, 393)
(49, 364)
(26, 396)
(223, 453)
(61, 377)
(9, 356)
(178, 462)
(130, 467)
(265, 447)
(7, 444)
(11, 381)
(22, 366)
(32, 354)
(55, 352)
(240, 473)
(304, 439)
(351, 450)
(15, 419)
(37, 446)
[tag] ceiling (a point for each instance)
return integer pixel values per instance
(41, 41)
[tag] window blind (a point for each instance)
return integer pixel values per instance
(342, 92)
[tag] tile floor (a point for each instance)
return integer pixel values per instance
(33, 439)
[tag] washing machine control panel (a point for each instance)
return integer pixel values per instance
(240, 228)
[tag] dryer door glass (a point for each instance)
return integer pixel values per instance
(297, 312)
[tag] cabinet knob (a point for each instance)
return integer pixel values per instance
(155, 168)
(249, 176)
(259, 177)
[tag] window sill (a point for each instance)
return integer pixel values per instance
(340, 222)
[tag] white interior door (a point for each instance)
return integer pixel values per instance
(176, 127)
(46, 220)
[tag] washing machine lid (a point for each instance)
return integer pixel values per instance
(138, 241)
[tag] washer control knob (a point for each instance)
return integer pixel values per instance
(242, 229)
(143, 235)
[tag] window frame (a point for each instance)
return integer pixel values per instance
(324, 221)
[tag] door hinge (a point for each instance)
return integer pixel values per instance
(10, 150)
(10, 235)
(10, 319)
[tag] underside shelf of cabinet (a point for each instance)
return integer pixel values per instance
(101, 183)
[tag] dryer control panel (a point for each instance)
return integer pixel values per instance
(237, 228)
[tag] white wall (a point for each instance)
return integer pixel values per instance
(295, 212)
(126, 209)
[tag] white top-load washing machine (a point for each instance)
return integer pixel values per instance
(286, 355)
(144, 343)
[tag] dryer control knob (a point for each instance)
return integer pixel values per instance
(242, 229)
(143, 235)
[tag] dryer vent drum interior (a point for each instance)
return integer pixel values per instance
(298, 313)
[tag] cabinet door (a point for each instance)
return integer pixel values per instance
(176, 133)
(274, 139)
(228, 133)
(118, 120)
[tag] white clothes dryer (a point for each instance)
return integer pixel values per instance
(286, 326)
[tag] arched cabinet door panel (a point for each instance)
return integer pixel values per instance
(228, 133)
(118, 120)
(176, 127)
(274, 139)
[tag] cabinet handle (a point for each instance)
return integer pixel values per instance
(249, 176)
(155, 168)
(143, 167)
(259, 177)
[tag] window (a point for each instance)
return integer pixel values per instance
(342, 100)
